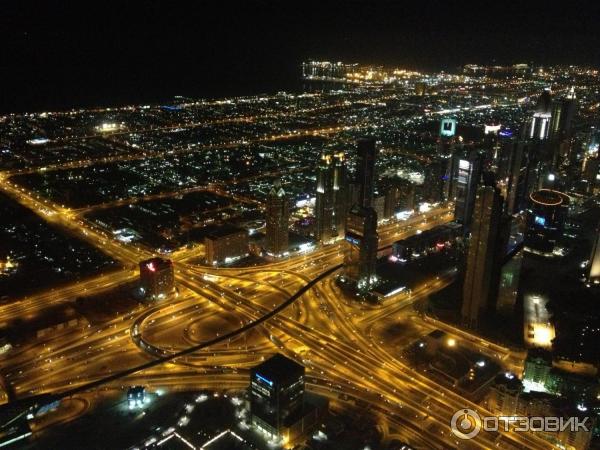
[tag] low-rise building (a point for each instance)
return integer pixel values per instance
(157, 278)
(225, 245)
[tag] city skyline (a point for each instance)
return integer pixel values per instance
(59, 57)
(393, 246)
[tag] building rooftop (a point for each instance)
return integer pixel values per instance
(278, 367)
(549, 197)
(225, 231)
(509, 381)
(156, 263)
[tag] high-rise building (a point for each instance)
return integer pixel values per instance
(563, 111)
(157, 278)
(540, 122)
(446, 143)
(332, 197)
(399, 195)
(468, 175)
(591, 175)
(508, 287)
(546, 216)
(593, 274)
(450, 167)
(482, 256)
(365, 171)
(433, 187)
(503, 154)
(276, 394)
(277, 221)
(502, 398)
(516, 176)
(360, 257)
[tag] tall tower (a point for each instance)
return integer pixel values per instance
(516, 177)
(482, 255)
(546, 216)
(563, 111)
(468, 174)
(434, 181)
(447, 152)
(365, 171)
(332, 196)
(277, 218)
(360, 256)
(540, 122)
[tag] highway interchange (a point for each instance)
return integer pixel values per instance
(334, 337)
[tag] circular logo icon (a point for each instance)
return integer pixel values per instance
(465, 424)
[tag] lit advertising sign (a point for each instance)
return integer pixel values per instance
(264, 380)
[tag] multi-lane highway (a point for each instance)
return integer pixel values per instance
(331, 336)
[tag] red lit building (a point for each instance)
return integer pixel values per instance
(157, 278)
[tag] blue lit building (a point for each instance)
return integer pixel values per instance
(276, 395)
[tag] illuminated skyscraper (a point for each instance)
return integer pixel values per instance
(447, 137)
(365, 171)
(503, 153)
(546, 216)
(540, 122)
(482, 256)
(360, 256)
(450, 167)
(332, 197)
(563, 111)
(467, 178)
(277, 221)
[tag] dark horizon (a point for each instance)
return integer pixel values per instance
(57, 57)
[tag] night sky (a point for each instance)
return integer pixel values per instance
(58, 55)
